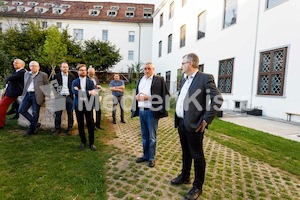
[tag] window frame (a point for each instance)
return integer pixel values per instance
(131, 37)
(277, 4)
(271, 72)
(130, 53)
(199, 25)
(161, 20)
(170, 39)
(182, 36)
(234, 18)
(77, 35)
(225, 75)
(160, 48)
(103, 35)
(171, 10)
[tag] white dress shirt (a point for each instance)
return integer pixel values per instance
(145, 88)
(64, 89)
(83, 83)
(31, 85)
(183, 92)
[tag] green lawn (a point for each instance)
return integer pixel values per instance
(277, 151)
(43, 167)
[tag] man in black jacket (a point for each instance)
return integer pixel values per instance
(150, 105)
(15, 84)
(64, 79)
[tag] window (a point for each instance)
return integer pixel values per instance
(44, 25)
(129, 14)
(94, 12)
(78, 34)
(230, 13)
(98, 7)
(161, 22)
(170, 43)
(114, 7)
(182, 36)
(179, 78)
(168, 79)
(272, 3)
(112, 13)
(159, 48)
(171, 12)
(147, 15)
(130, 55)
(104, 35)
(58, 24)
(271, 72)
(201, 25)
(24, 25)
(201, 67)
(131, 8)
(225, 75)
(131, 36)
(183, 2)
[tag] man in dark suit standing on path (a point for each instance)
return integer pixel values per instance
(94, 78)
(150, 105)
(193, 114)
(15, 84)
(64, 80)
(33, 96)
(83, 89)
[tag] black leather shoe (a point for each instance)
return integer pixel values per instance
(82, 146)
(93, 147)
(151, 163)
(10, 112)
(36, 130)
(28, 133)
(114, 122)
(180, 180)
(99, 127)
(123, 121)
(141, 159)
(69, 132)
(95, 128)
(193, 194)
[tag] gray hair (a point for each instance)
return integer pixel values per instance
(192, 57)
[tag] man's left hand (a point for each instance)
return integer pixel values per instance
(202, 126)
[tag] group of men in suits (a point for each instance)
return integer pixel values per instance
(197, 103)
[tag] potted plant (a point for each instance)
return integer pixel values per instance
(255, 111)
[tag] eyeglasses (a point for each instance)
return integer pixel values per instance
(82, 70)
(184, 63)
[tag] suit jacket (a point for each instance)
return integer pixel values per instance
(71, 78)
(15, 84)
(89, 86)
(39, 80)
(158, 87)
(194, 116)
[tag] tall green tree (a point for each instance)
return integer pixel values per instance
(101, 55)
(54, 50)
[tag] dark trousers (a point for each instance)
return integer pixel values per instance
(89, 122)
(118, 100)
(69, 108)
(30, 100)
(98, 117)
(192, 148)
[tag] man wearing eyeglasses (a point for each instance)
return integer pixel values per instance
(150, 105)
(193, 114)
(83, 88)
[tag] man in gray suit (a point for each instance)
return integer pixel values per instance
(33, 96)
(193, 114)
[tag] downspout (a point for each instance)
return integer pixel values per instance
(254, 54)
(139, 52)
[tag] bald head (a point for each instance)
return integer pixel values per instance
(91, 72)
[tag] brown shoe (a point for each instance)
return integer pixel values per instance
(151, 163)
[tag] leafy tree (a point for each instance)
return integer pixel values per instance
(101, 55)
(54, 50)
(134, 71)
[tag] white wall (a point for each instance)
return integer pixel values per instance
(257, 29)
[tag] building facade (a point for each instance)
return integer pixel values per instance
(126, 25)
(251, 47)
